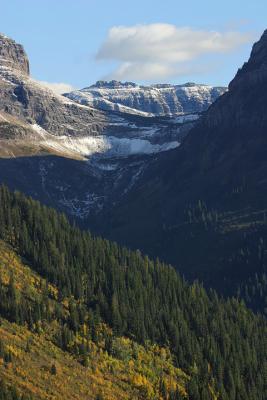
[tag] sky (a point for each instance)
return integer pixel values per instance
(74, 43)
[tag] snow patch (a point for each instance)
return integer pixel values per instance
(37, 128)
(3, 118)
(185, 118)
(108, 146)
(81, 208)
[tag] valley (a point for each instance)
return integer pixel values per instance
(133, 223)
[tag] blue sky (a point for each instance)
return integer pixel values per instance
(78, 41)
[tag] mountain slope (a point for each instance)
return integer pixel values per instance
(210, 194)
(33, 360)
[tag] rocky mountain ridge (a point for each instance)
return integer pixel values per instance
(160, 99)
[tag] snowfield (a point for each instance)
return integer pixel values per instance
(108, 146)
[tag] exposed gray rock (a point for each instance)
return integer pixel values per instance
(12, 55)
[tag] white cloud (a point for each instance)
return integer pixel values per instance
(142, 71)
(58, 88)
(146, 71)
(162, 50)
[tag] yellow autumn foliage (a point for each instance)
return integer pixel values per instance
(131, 371)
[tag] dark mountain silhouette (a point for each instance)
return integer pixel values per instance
(203, 206)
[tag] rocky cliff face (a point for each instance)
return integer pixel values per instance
(164, 99)
(12, 55)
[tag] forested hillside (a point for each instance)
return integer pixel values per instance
(219, 344)
(58, 349)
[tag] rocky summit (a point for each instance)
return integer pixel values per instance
(12, 55)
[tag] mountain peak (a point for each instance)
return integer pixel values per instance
(261, 46)
(244, 105)
(12, 55)
(254, 71)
